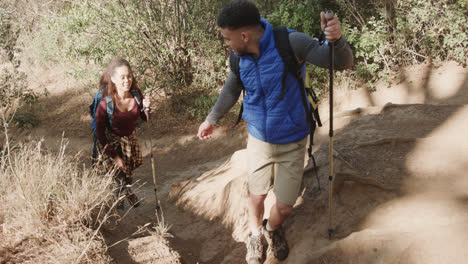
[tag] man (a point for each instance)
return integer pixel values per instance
(277, 122)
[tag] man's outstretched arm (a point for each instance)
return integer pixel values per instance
(226, 100)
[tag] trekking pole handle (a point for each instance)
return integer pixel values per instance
(329, 15)
(147, 111)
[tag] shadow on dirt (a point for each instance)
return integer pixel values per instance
(374, 164)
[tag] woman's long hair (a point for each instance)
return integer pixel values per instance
(106, 84)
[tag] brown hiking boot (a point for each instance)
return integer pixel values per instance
(276, 242)
(254, 249)
(120, 205)
(133, 199)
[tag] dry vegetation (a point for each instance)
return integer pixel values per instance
(51, 208)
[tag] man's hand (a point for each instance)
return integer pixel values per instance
(205, 131)
(331, 28)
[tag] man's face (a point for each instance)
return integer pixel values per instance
(236, 39)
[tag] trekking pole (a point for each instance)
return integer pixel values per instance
(158, 207)
(329, 15)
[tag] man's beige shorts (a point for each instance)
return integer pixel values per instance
(277, 165)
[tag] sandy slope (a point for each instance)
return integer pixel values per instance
(400, 190)
(401, 187)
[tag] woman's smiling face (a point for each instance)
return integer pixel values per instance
(122, 78)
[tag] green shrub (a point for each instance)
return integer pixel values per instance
(25, 119)
(385, 38)
(435, 29)
(319, 79)
(18, 98)
(14, 86)
(168, 42)
(201, 106)
(372, 48)
(302, 16)
(9, 32)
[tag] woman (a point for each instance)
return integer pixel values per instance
(118, 144)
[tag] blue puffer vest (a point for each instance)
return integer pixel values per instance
(269, 118)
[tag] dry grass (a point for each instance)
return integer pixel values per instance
(51, 208)
(161, 228)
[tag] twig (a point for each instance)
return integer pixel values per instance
(384, 59)
(415, 53)
(139, 231)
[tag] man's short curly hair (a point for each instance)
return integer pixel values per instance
(237, 14)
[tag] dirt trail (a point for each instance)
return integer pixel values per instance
(400, 190)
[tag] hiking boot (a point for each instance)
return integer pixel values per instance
(276, 242)
(120, 205)
(133, 199)
(254, 249)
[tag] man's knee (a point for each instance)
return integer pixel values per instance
(257, 199)
(283, 209)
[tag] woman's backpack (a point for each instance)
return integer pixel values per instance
(110, 111)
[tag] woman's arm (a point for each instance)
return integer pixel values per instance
(102, 123)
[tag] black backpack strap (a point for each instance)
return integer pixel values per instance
(136, 94)
(283, 46)
(137, 97)
(291, 64)
(234, 65)
(284, 49)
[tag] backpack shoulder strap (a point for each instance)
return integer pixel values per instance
(94, 105)
(92, 112)
(93, 108)
(110, 108)
(283, 46)
(136, 94)
(137, 97)
(234, 64)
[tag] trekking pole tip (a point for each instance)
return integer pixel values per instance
(158, 206)
(330, 233)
